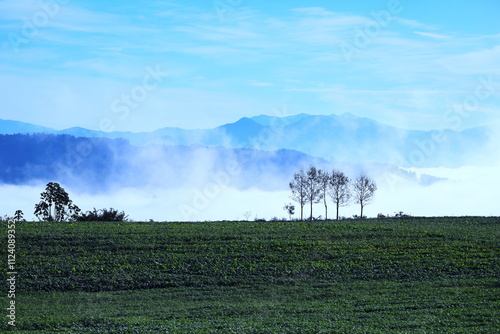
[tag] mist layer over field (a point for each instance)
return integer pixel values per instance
(167, 183)
(463, 191)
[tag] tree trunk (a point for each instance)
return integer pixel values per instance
(53, 216)
(361, 211)
(338, 210)
(301, 212)
(311, 218)
(326, 206)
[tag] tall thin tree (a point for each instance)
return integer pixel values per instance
(313, 189)
(324, 184)
(298, 188)
(363, 190)
(339, 189)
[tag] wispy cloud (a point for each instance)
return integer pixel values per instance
(414, 24)
(478, 62)
(260, 84)
(436, 36)
(296, 52)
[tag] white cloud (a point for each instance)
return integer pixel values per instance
(485, 61)
(414, 24)
(260, 84)
(432, 35)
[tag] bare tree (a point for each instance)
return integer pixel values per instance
(363, 191)
(313, 188)
(339, 189)
(324, 185)
(298, 187)
(247, 214)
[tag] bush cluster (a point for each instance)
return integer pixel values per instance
(102, 215)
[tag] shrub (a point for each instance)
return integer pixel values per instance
(401, 214)
(103, 215)
(4, 218)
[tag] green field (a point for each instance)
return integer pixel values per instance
(432, 275)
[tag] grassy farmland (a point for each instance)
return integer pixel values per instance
(357, 276)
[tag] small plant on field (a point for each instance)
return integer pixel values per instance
(290, 209)
(19, 215)
(55, 205)
(401, 214)
(247, 215)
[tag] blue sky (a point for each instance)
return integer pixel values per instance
(139, 66)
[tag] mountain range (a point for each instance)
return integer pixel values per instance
(345, 138)
(97, 165)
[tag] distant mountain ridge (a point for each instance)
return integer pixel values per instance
(9, 127)
(344, 138)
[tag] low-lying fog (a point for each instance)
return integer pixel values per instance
(465, 191)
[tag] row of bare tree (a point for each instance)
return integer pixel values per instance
(314, 185)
